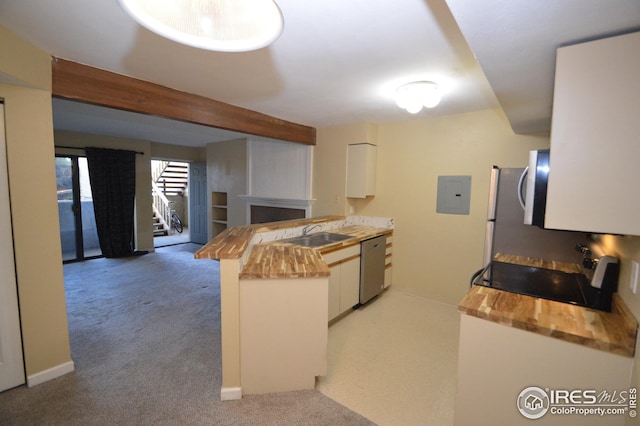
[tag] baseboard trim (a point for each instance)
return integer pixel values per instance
(50, 374)
(230, 394)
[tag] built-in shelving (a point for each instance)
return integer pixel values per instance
(218, 212)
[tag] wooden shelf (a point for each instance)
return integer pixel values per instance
(219, 198)
(218, 212)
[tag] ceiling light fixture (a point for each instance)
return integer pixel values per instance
(413, 96)
(220, 25)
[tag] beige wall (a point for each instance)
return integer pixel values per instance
(144, 212)
(227, 172)
(187, 154)
(22, 64)
(434, 255)
(25, 86)
(329, 165)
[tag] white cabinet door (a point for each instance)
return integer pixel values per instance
(11, 365)
(344, 282)
(594, 138)
(349, 284)
(334, 292)
(361, 170)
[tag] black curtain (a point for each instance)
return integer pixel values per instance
(112, 174)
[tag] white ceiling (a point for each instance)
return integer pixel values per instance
(337, 61)
(515, 42)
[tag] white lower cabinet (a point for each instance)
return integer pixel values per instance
(349, 284)
(334, 292)
(283, 334)
(344, 282)
(499, 365)
(387, 262)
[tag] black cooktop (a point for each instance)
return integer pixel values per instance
(544, 283)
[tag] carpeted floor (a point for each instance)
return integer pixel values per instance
(145, 339)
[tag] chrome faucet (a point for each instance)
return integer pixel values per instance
(308, 228)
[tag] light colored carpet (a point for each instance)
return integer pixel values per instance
(145, 339)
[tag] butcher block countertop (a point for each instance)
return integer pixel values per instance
(284, 261)
(279, 259)
(232, 242)
(571, 268)
(613, 331)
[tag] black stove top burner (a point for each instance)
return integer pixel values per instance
(544, 283)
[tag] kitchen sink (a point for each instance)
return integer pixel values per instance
(317, 240)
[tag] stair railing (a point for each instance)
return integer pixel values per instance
(159, 175)
(158, 167)
(161, 205)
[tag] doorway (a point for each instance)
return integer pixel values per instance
(170, 191)
(78, 232)
(179, 188)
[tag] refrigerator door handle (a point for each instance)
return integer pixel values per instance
(488, 242)
(521, 182)
(493, 193)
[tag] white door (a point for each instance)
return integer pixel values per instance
(11, 364)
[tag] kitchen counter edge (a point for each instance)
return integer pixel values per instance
(613, 331)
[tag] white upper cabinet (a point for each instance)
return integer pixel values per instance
(595, 138)
(361, 170)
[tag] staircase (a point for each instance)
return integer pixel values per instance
(159, 228)
(168, 178)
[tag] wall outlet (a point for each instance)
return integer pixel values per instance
(635, 275)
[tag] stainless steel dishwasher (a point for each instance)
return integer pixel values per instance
(372, 262)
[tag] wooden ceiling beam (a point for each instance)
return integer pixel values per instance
(84, 83)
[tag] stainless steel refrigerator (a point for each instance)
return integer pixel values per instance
(506, 232)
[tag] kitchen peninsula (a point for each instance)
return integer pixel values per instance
(276, 298)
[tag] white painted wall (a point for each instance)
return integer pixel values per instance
(279, 169)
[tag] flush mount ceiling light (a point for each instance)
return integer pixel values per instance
(413, 96)
(220, 25)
